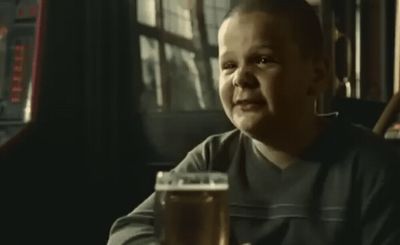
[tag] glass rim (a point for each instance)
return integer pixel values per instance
(191, 181)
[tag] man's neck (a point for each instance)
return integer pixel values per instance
(285, 149)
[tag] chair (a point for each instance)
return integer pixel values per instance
(389, 115)
(358, 111)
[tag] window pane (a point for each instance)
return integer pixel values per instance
(314, 2)
(146, 12)
(220, 16)
(151, 97)
(215, 72)
(212, 35)
(211, 17)
(214, 13)
(177, 19)
(185, 89)
(209, 2)
(224, 4)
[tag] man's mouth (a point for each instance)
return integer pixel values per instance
(248, 104)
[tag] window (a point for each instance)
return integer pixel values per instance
(177, 19)
(215, 71)
(214, 14)
(183, 75)
(178, 53)
(146, 13)
(149, 55)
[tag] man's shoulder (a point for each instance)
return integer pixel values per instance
(362, 139)
(224, 138)
(220, 142)
(218, 150)
(365, 147)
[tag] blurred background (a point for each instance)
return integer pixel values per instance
(98, 95)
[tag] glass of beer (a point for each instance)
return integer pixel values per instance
(192, 208)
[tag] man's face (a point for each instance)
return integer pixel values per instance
(266, 85)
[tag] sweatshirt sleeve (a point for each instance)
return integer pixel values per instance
(380, 209)
(137, 228)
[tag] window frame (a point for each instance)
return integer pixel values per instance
(199, 45)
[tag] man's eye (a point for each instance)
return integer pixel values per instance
(263, 60)
(228, 66)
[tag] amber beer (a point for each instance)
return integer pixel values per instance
(191, 208)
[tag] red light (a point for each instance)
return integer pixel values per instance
(33, 10)
(16, 89)
(18, 68)
(17, 78)
(21, 12)
(15, 99)
(16, 93)
(18, 59)
(19, 48)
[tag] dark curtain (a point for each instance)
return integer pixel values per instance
(70, 173)
(116, 146)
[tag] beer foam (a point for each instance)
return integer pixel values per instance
(191, 187)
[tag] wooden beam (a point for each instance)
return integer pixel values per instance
(396, 83)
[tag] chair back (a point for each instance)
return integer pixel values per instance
(389, 115)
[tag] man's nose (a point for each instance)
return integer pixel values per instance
(244, 78)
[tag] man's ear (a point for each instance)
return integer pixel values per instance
(319, 81)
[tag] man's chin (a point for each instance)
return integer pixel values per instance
(253, 131)
(261, 133)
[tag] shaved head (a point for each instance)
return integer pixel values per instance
(304, 22)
